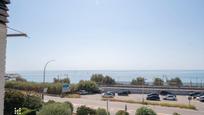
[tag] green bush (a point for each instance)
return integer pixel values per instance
(145, 111)
(176, 113)
(138, 81)
(32, 102)
(158, 82)
(107, 80)
(101, 111)
(50, 102)
(70, 105)
(54, 88)
(100, 79)
(27, 86)
(122, 112)
(55, 109)
(89, 86)
(175, 82)
(83, 110)
(16, 99)
(13, 99)
(64, 80)
(26, 111)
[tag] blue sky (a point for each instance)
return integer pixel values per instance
(107, 34)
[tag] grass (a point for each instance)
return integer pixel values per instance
(163, 104)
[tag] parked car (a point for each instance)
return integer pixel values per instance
(113, 92)
(83, 92)
(201, 98)
(153, 97)
(165, 93)
(123, 93)
(170, 97)
(152, 94)
(107, 95)
(194, 94)
(199, 95)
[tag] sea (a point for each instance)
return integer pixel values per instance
(123, 76)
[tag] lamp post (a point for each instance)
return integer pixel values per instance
(44, 70)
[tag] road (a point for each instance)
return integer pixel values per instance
(94, 101)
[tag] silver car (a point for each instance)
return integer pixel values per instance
(107, 95)
(170, 97)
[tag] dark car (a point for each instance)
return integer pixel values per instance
(165, 93)
(123, 93)
(152, 94)
(153, 97)
(195, 94)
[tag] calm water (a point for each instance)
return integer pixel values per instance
(195, 76)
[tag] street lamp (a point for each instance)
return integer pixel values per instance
(44, 70)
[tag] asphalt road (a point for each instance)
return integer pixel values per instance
(94, 101)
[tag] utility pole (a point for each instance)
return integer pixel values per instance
(3, 33)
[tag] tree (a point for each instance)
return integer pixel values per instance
(108, 80)
(98, 78)
(158, 82)
(64, 80)
(138, 81)
(175, 82)
(89, 86)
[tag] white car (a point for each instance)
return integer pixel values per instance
(201, 98)
(107, 95)
(170, 97)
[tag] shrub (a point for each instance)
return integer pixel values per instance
(101, 111)
(122, 112)
(83, 110)
(145, 111)
(158, 82)
(55, 109)
(89, 86)
(19, 78)
(175, 82)
(32, 102)
(176, 113)
(26, 111)
(70, 105)
(64, 80)
(98, 78)
(17, 99)
(55, 88)
(13, 99)
(138, 81)
(50, 102)
(108, 80)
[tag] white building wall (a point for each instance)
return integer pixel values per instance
(3, 32)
